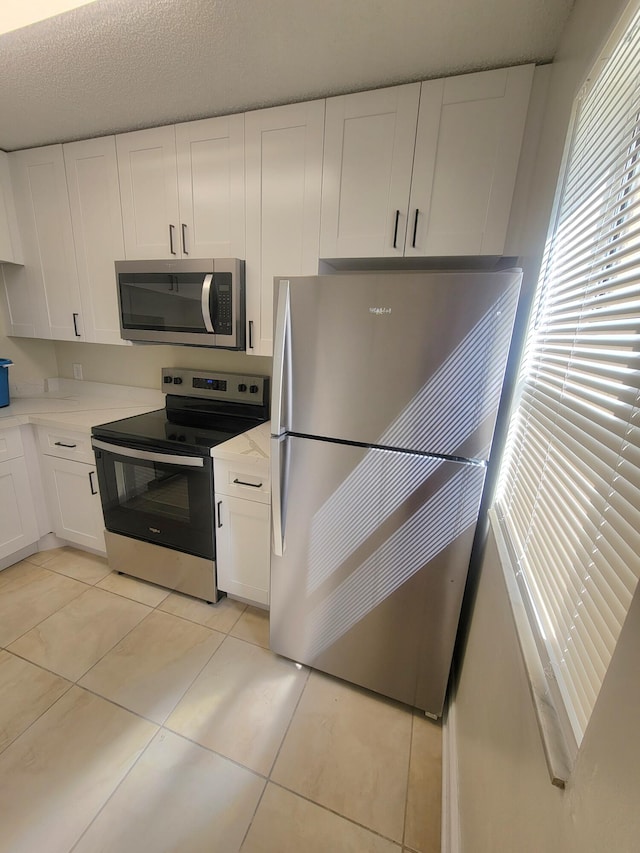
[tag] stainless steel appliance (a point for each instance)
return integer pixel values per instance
(155, 473)
(191, 302)
(385, 393)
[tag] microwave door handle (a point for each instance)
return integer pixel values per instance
(206, 303)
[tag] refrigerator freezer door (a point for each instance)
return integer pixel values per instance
(376, 547)
(408, 360)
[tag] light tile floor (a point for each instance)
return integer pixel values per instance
(134, 720)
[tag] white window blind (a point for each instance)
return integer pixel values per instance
(569, 492)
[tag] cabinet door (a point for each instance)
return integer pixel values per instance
(243, 548)
(18, 525)
(468, 144)
(44, 217)
(283, 162)
(211, 187)
(368, 155)
(149, 192)
(74, 502)
(94, 196)
(10, 245)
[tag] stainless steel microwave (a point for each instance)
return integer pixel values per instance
(190, 302)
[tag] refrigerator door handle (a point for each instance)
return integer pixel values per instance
(280, 352)
(277, 494)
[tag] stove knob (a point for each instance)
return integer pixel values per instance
(253, 389)
(242, 387)
(182, 438)
(177, 380)
(168, 380)
(172, 436)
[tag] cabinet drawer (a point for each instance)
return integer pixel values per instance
(246, 478)
(10, 443)
(66, 444)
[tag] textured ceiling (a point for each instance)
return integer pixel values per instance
(122, 64)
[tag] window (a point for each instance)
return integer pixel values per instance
(569, 492)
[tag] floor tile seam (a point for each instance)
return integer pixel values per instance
(291, 718)
(37, 624)
(337, 813)
(128, 597)
(70, 684)
(210, 749)
(194, 621)
(121, 782)
(406, 789)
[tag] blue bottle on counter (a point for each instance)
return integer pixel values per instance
(4, 381)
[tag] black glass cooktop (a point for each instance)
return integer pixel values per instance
(163, 430)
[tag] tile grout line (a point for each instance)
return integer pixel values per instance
(273, 763)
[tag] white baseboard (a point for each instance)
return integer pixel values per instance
(450, 840)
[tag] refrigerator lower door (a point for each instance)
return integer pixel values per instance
(375, 548)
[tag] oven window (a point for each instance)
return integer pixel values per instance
(162, 301)
(153, 490)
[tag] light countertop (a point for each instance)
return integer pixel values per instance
(253, 444)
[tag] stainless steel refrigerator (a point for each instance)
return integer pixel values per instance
(385, 393)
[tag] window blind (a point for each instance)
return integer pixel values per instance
(569, 490)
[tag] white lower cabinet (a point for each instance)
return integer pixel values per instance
(18, 525)
(71, 488)
(243, 532)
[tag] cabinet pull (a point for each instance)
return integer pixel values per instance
(395, 230)
(184, 239)
(250, 334)
(219, 518)
(75, 326)
(243, 483)
(171, 230)
(93, 491)
(415, 229)
(62, 444)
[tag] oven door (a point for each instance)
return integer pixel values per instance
(157, 497)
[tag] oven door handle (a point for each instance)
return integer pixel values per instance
(206, 303)
(149, 455)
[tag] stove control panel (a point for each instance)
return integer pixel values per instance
(212, 385)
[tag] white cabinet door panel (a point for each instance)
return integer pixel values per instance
(210, 155)
(10, 243)
(94, 195)
(465, 164)
(18, 525)
(243, 548)
(369, 143)
(149, 192)
(283, 158)
(74, 501)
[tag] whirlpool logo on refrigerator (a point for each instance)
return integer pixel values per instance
(380, 312)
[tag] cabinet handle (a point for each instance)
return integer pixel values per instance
(184, 239)
(62, 444)
(219, 518)
(415, 229)
(75, 326)
(395, 230)
(172, 228)
(253, 485)
(93, 491)
(250, 334)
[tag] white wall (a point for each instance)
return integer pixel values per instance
(33, 360)
(506, 801)
(140, 365)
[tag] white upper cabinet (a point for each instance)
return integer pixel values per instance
(424, 169)
(182, 189)
(470, 131)
(368, 154)
(149, 192)
(283, 169)
(211, 187)
(43, 296)
(94, 196)
(10, 244)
